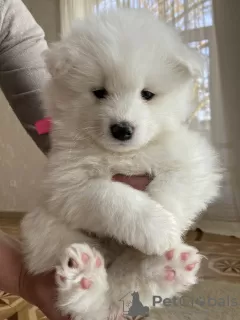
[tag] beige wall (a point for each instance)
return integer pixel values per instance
(21, 163)
(47, 14)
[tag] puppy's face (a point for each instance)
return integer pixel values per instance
(122, 79)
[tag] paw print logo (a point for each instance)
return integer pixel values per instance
(133, 307)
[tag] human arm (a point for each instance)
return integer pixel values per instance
(39, 290)
(22, 69)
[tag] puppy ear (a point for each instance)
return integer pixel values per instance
(58, 60)
(192, 61)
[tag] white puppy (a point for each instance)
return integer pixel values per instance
(120, 92)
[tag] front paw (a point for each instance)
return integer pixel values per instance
(160, 233)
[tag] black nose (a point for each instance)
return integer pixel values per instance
(122, 131)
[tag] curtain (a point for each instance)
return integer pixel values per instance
(70, 10)
(206, 25)
(227, 30)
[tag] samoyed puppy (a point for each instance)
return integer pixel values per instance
(120, 92)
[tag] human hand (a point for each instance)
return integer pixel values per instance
(137, 182)
(159, 217)
(40, 290)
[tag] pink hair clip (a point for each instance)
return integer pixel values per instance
(44, 125)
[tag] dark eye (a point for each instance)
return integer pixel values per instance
(100, 93)
(147, 95)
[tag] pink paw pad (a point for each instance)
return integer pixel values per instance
(190, 267)
(184, 256)
(85, 283)
(169, 254)
(85, 258)
(170, 274)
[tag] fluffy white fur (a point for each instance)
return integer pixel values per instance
(125, 52)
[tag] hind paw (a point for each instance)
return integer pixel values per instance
(81, 279)
(176, 270)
